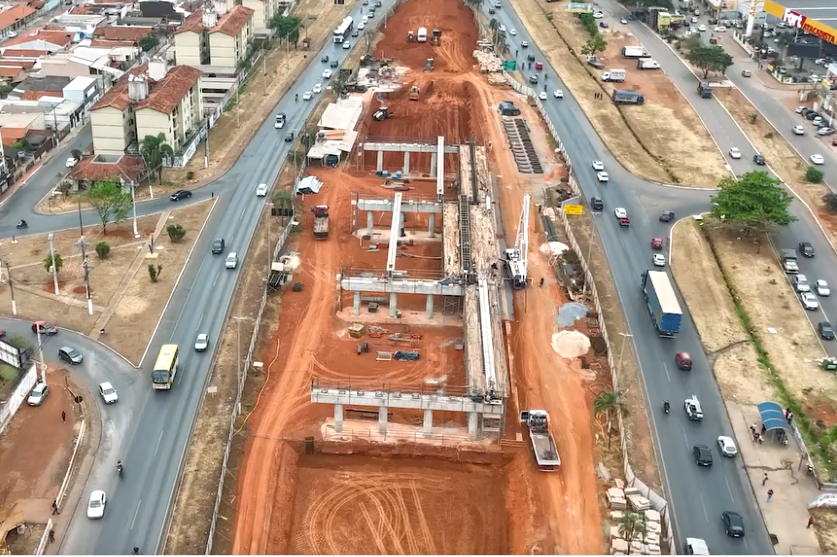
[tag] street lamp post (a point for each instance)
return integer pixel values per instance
(52, 263)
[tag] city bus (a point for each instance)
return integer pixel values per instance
(165, 368)
(342, 32)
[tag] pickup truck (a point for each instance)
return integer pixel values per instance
(693, 409)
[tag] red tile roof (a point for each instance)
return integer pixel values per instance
(23, 53)
(112, 44)
(13, 15)
(10, 135)
(132, 169)
(10, 71)
(122, 33)
(79, 10)
(60, 38)
(234, 21)
(193, 23)
(31, 95)
(163, 96)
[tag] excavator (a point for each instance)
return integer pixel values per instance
(414, 93)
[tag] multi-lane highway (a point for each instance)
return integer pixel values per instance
(698, 496)
(154, 427)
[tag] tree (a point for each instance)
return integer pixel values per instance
(155, 150)
(588, 22)
(594, 45)
(830, 200)
(102, 249)
(632, 526)
(755, 201)
(64, 187)
(282, 202)
(76, 153)
(692, 42)
(711, 58)
(149, 42)
(609, 403)
(110, 202)
(286, 27)
(813, 175)
(154, 272)
(175, 232)
(57, 261)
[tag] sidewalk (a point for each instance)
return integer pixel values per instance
(786, 515)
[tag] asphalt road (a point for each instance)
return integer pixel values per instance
(698, 496)
(152, 445)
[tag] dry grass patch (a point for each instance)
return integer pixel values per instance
(825, 526)
(741, 377)
(34, 306)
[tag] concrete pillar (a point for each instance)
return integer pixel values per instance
(431, 225)
(430, 306)
(428, 421)
(382, 420)
(473, 423)
(393, 304)
(380, 160)
(433, 157)
(338, 418)
(401, 232)
(356, 304)
(406, 162)
(370, 222)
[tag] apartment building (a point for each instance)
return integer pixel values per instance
(213, 36)
(263, 12)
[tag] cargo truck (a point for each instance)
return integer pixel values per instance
(320, 221)
(704, 90)
(543, 444)
(789, 262)
(662, 303)
(422, 35)
(614, 75)
(633, 52)
(647, 64)
(626, 96)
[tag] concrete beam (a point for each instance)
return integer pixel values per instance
(415, 401)
(401, 286)
(408, 147)
(394, 233)
(440, 167)
(486, 336)
(407, 206)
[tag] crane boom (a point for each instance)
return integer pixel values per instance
(517, 257)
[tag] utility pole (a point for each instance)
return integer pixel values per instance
(206, 147)
(52, 259)
(237, 106)
(11, 286)
(41, 354)
(264, 72)
(134, 208)
(81, 243)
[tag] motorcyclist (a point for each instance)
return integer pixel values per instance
(545, 76)
(296, 97)
(119, 467)
(666, 406)
(544, 87)
(22, 224)
(136, 550)
(515, 52)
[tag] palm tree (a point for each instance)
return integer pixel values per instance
(282, 201)
(632, 526)
(608, 403)
(155, 150)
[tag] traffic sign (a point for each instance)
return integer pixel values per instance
(509, 65)
(573, 209)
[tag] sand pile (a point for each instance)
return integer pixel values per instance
(553, 248)
(570, 344)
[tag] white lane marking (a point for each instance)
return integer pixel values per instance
(214, 282)
(685, 439)
(159, 440)
(200, 321)
(729, 489)
(665, 367)
(136, 512)
(703, 506)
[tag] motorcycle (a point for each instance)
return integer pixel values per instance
(119, 468)
(666, 407)
(22, 224)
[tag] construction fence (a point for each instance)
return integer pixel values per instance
(658, 503)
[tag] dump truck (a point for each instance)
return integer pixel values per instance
(633, 52)
(543, 444)
(422, 35)
(662, 303)
(789, 262)
(704, 90)
(436, 37)
(320, 221)
(617, 76)
(414, 93)
(627, 96)
(647, 64)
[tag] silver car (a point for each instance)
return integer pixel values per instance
(822, 288)
(202, 342)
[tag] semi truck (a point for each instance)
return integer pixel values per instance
(633, 52)
(543, 444)
(422, 35)
(320, 221)
(627, 96)
(704, 90)
(662, 303)
(614, 75)
(647, 64)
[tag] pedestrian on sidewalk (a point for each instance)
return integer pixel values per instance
(810, 521)
(212, 194)
(769, 495)
(63, 416)
(55, 507)
(51, 535)
(764, 479)
(541, 281)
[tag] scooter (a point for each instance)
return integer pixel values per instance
(22, 224)
(119, 468)
(666, 407)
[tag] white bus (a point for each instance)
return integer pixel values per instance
(343, 30)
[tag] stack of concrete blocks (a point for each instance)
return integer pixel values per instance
(653, 532)
(638, 502)
(488, 62)
(616, 499)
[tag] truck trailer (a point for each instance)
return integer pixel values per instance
(647, 64)
(617, 76)
(633, 52)
(543, 444)
(627, 96)
(320, 221)
(662, 303)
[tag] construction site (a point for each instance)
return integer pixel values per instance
(418, 360)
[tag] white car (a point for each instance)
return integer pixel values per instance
(620, 213)
(694, 20)
(798, 130)
(809, 301)
(279, 123)
(542, 95)
(326, 74)
(800, 282)
(598, 15)
(799, 109)
(96, 504)
(503, 28)
(559, 94)
(318, 88)
(347, 45)
(727, 446)
(702, 28)
(524, 44)
(825, 130)
(659, 260)
(817, 159)
(202, 342)
(734, 153)
(108, 393)
(602, 176)
(513, 32)
(38, 395)
(361, 26)
(623, 21)
(232, 261)
(822, 288)
(71, 162)
(261, 191)
(306, 96)
(720, 29)
(598, 165)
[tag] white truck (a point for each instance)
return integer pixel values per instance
(647, 64)
(633, 52)
(617, 76)
(543, 444)
(422, 35)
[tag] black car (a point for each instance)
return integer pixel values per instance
(759, 160)
(733, 524)
(804, 112)
(70, 355)
(806, 249)
(334, 64)
(378, 3)
(324, 59)
(596, 203)
(218, 245)
(492, 11)
(289, 137)
(811, 115)
(703, 456)
(180, 194)
(667, 216)
(825, 330)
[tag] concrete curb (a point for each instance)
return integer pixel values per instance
(62, 491)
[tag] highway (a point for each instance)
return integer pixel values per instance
(698, 496)
(153, 441)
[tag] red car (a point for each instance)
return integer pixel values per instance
(624, 221)
(45, 328)
(538, 65)
(684, 361)
(656, 243)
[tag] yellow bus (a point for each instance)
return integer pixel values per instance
(165, 368)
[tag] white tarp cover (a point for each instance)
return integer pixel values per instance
(309, 184)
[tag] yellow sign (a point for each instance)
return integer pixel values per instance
(573, 209)
(800, 21)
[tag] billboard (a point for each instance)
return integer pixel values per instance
(13, 355)
(579, 8)
(800, 21)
